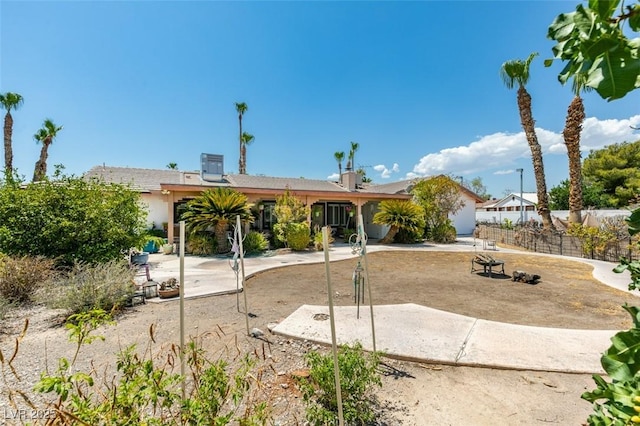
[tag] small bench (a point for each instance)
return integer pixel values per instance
(487, 262)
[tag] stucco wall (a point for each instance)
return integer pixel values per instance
(465, 220)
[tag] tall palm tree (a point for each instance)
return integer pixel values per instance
(352, 155)
(9, 101)
(517, 72)
(241, 107)
(172, 166)
(45, 136)
(339, 156)
(246, 140)
(571, 134)
(217, 208)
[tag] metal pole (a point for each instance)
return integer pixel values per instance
(244, 287)
(334, 346)
(521, 212)
(182, 349)
(363, 241)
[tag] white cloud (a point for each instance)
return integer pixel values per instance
(504, 172)
(385, 173)
(334, 176)
(502, 149)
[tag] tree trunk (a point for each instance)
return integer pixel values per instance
(388, 239)
(572, 129)
(221, 236)
(528, 124)
(40, 170)
(243, 158)
(240, 166)
(8, 150)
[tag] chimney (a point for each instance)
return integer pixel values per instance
(349, 180)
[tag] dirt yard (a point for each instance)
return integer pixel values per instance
(412, 394)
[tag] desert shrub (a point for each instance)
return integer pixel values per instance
(298, 235)
(442, 233)
(88, 287)
(20, 277)
(347, 233)
(407, 236)
(70, 219)
(358, 374)
(318, 241)
(255, 242)
(201, 244)
(147, 390)
(5, 306)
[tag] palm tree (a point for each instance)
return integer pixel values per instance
(399, 214)
(571, 134)
(172, 166)
(517, 72)
(351, 164)
(217, 207)
(9, 101)
(241, 107)
(45, 136)
(246, 140)
(339, 156)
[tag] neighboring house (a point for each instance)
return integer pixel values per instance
(509, 208)
(332, 203)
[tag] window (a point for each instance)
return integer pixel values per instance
(337, 214)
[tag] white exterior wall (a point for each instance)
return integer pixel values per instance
(499, 217)
(372, 230)
(465, 220)
(158, 210)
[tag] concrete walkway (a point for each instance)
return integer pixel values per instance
(410, 331)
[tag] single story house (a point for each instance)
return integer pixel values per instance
(508, 207)
(336, 204)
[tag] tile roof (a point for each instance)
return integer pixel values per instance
(139, 179)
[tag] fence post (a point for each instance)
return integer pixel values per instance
(561, 241)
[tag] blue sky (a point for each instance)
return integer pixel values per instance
(416, 84)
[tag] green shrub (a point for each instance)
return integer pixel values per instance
(147, 391)
(201, 244)
(407, 236)
(444, 233)
(255, 242)
(20, 277)
(70, 219)
(357, 375)
(318, 240)
(347, 233)
(88, 287)
(298, 235)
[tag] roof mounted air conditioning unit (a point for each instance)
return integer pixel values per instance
(211, 167)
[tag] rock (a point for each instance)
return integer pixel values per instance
(256, 332)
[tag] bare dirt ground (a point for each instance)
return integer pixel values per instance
(412, 394)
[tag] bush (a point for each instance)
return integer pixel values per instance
(357, 375)
(298, 235)
(318, 240)
(5, 306)
(201, 244)
(147, 390)
(444, 233)
(255, 242)
(89, 287)
(20, 277)
(70, 219)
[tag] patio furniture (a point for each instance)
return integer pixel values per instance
(488, 263)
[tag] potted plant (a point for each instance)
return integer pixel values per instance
(153, 243)
(137, 257)
(167, 248)
(317, 210)
(169, 288)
